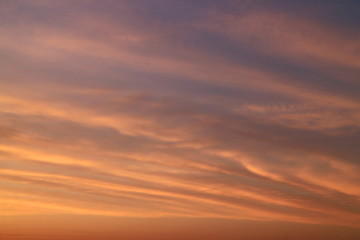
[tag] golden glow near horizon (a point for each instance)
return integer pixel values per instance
(240, 110)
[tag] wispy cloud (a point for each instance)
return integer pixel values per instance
(107, 109)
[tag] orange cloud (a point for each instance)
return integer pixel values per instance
(245, 117)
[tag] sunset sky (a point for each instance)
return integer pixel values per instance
(179, 119)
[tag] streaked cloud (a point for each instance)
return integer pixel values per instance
(185, 109)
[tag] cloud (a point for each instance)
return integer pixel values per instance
(208, 114)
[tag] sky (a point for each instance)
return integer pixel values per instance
(179, 119)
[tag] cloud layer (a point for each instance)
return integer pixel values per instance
(239, 110)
